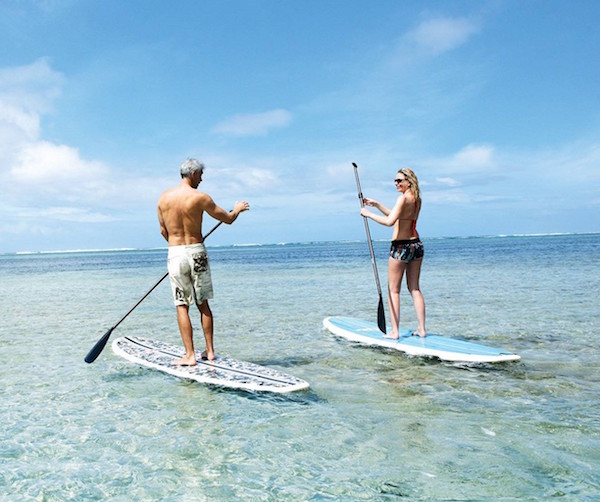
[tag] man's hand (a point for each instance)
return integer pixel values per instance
(240, 207)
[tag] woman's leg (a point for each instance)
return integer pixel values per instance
(395, 273)
(413, 273)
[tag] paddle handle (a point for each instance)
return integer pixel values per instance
(380, 309)
(367, 231)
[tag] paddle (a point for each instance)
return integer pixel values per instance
(380, 311)
(100, 344)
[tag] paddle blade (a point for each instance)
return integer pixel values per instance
(99, 347)
(381, 316)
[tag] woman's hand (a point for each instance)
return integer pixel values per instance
(369, 202)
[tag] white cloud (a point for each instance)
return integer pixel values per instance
(471, 162)
(447, 181)
(45, 162)
(16, 123)
(436, 36)
(26, 93)
(339, 170)
(64, 213)
(46, 182)
(474, 156)
(32, 88)
(576, 162)
(431, 38)
(254, 124)
(454, 197)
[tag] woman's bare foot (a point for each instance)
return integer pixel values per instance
(208, 357)
(185, 361)
(418, 333)
(392, 336)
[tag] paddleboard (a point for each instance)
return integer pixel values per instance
(446, 349)
(223, 371)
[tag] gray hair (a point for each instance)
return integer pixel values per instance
(190, 166)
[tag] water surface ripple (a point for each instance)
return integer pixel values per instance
(375, 425)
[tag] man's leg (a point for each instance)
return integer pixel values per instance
(207, 327)
(187, 336)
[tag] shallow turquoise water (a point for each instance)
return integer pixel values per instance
(375, 425)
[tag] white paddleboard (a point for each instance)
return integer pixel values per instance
(446, 349)
(224, 371)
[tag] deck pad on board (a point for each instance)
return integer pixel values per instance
(447, 349)
(224, 371)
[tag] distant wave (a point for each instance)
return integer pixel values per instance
(67, 251)
(305, 243)
(540, 234)
(502, 236)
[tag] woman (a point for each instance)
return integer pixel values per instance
(406, 252)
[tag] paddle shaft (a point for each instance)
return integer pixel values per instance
(95, 351)
(380, 311)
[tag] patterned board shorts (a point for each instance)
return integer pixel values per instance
(189, 273)
(407, 250)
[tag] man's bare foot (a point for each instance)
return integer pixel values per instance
(208, 357)
(185, 361)
(391, 336)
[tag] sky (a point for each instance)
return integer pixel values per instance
(494, 104)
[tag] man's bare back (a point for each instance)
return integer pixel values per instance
(180, 212)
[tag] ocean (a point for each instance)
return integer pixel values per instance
(375, 424)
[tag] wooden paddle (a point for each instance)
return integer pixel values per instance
(93, 354)
(380, 310)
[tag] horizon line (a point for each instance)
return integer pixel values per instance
(256, 244)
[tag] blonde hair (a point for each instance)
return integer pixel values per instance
(412, 179)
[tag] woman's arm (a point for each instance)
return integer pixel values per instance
(390, 216)
(377, 204)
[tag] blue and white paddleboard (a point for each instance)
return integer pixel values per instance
(224, 371)
(446, 349)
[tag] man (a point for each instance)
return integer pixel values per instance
(180, 211)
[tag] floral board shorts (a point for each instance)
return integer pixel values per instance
(407, 250)
(189, 273)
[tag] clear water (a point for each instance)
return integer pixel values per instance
(375, 425)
